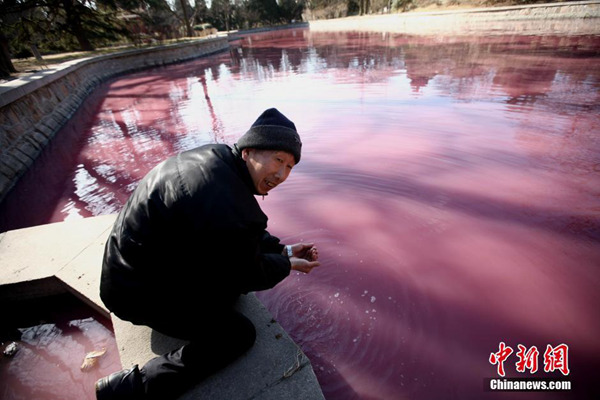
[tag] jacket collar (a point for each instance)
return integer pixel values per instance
(243, 168)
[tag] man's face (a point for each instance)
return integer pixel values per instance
(268, 168)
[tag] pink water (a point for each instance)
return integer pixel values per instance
(53, 337)
(451, 184)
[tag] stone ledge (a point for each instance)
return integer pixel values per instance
(274, 368)
(66, 256)
(14, 89)
(44, 260)
(45, 101)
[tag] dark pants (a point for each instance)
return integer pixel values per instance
(216, 340)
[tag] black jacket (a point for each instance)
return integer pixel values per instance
(191, 232)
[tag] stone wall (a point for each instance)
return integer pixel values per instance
(295, 25)
(34, 108)
(567, 18)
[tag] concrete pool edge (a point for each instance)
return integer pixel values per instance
(561, 18)
(66, 257)
(35, 107)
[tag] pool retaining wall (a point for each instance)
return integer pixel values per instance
(35, 107)
(565, 18)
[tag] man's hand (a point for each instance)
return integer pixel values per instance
(304, 257)
(307, 251)
(302, 265)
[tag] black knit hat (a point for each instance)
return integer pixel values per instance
(272, 131)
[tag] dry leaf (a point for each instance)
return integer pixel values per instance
(91, 359)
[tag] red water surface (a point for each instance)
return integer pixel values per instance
(452, 185)
(53, 336)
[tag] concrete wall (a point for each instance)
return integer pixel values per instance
(296, 25)
(567, 18)
(34, 108)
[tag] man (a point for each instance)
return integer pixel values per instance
(189, 241)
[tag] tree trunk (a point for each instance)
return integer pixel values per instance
(6, 65)
(74, 25)
(186, 19)
(227, 15)
(36, 52)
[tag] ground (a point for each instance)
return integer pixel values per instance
(26, 66)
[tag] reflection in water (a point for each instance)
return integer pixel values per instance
(450, 183)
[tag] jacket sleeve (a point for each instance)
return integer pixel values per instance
(270, 244)
(269, 270)
(259, 262)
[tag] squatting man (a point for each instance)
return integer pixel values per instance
(189, 241)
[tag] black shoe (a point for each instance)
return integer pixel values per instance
(125, 384)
